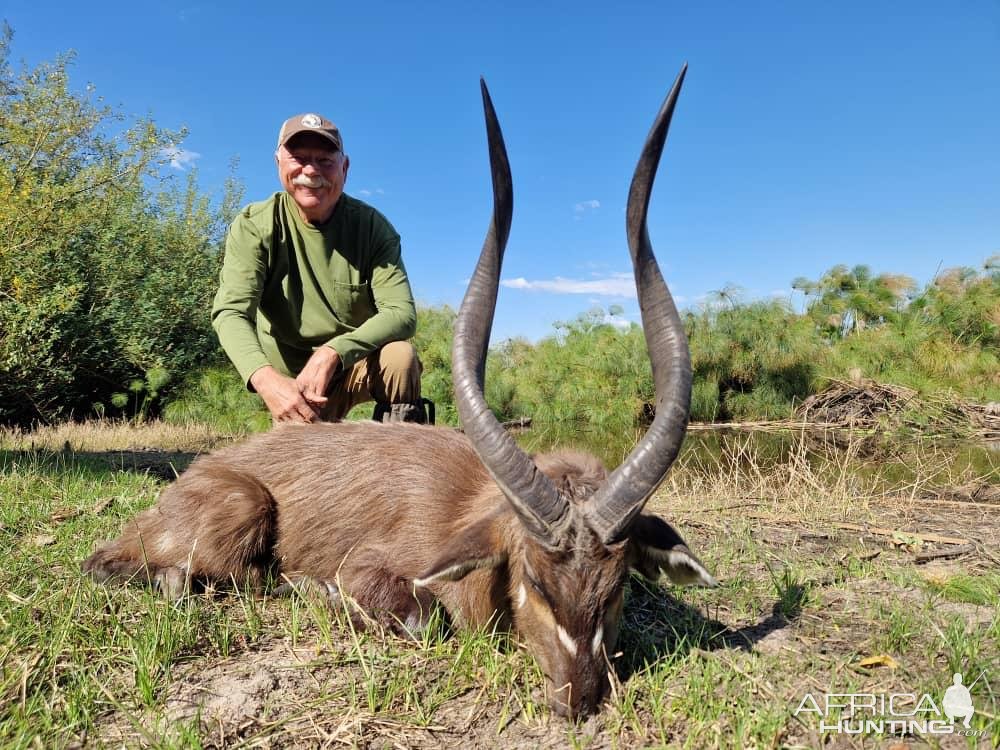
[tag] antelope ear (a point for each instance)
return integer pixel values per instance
(657, 547)
(472, 548)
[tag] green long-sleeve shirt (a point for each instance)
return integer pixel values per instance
(288, 287)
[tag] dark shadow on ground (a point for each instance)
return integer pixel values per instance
(162, 464)
(656, 624)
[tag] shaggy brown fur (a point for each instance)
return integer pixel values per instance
(394, 517)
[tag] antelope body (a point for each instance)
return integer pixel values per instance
(396, 517)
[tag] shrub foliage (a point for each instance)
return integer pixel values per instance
(107, 265)
(751, 360)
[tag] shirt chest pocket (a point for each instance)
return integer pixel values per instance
(352, 303)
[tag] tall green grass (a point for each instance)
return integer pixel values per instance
(217, 396)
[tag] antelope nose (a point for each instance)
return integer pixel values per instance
(574, 710)
(570, 704)
(561, 700)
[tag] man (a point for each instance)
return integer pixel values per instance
(314, 306)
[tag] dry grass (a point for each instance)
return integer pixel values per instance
(99, 436)
(865, 404)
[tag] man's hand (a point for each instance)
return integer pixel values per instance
(315, 377)
(283, 397)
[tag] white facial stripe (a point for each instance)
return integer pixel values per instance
(598, 641)
(459, 570)
(522, 596)
(567, 641)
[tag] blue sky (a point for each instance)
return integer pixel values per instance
(808, 134)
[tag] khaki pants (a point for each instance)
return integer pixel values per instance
(390, 375)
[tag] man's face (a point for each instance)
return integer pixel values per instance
(313, 172)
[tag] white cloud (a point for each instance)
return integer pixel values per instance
(615, 285)
(180, 158)
(586, 206)
(368, 193)
(619, 322)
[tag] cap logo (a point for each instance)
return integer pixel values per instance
(312, 121)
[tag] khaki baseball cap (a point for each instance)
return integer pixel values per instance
(310, 122)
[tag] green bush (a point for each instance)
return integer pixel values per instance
(966, 304)
(758, 359)
(217, 396)
(433, 344)
(592, 376)
(107, 266)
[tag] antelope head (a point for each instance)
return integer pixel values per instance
(581, 530)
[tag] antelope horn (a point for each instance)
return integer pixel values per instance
(622, 497)
(533, 497)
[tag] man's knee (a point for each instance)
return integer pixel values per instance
(393, 373)
(399, 370)
(399, 358)
(397, 390)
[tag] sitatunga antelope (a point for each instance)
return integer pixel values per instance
(393, 518)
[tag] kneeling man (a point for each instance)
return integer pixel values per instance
(314, 307)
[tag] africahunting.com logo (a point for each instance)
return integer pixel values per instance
(895, 713)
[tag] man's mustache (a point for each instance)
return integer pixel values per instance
(317, 181)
